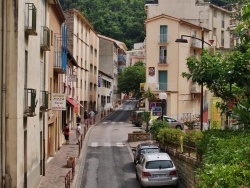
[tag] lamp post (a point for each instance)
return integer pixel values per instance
(181, 40)
(162, 96)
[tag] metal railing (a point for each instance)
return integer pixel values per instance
(67, 180)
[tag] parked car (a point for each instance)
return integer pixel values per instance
(156, 169)
(173, 123)
(144, 148)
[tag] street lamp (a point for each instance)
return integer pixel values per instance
(162, 96)
(182, 40)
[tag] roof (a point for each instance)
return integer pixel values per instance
(181, 21)
(157, 156)
(119, 44)
(78, 13)
(58, 10)
(107, 75)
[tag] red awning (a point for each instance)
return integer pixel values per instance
(72, 102)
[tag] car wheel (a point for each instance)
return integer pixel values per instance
(178, 127)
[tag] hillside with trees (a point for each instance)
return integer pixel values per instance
(122, 20)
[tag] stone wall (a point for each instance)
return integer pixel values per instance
(138, 136)
(186, 167)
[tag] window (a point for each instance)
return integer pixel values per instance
(214, 31)
(163, 54)
(159, 164)
(163, 33)
(222, 38)
(52, 36)
(163, 76)
(215, 13)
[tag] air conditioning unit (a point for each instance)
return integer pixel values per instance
(193, 96)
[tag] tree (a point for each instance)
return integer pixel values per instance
(130, 79)
(227, 75)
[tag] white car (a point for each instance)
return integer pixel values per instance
(171, 122)
(156, 169)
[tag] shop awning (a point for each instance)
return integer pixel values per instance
(72, 102)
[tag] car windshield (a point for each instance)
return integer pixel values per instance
(150, 150)
(159, 164)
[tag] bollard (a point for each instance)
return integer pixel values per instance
(67, 180)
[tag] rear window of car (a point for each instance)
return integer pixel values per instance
(159, 164)
(150, 150)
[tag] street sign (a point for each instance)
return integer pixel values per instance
(156, 111)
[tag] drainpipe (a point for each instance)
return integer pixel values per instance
(1, 58)
(44, 74)
(3, 93)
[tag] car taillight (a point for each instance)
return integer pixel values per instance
(173, 173)
(146, 174)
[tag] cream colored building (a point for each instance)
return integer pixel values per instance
(138, 53)
(24, 65)
(201, 13)
(83, 42)
(166, 60)
(105, 85)
(111, 56)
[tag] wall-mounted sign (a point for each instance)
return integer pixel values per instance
(58, 101)
(72, 78)
(156, 111)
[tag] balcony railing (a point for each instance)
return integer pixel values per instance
(160, 86)
(121, 58)
(163, 38)
(163, 60)
(45, 39)
(30, 19)
(44, 106)
(30, 102)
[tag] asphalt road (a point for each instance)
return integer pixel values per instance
(109, 162)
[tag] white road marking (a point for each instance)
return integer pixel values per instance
(94, 144)
(119, 144)
(106, 144)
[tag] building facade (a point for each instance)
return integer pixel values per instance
(138, 53)
(83, 43)
(198, 12)
(166, 60)
(24, 62)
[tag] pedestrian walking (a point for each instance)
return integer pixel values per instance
(86, 116)
(66, 133)
(91, 115)
(78, 132)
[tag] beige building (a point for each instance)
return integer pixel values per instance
(56, 68)
(138, 53)
(198, 12)
(105, 85)
(166, 60)
(112, 57)
(83, 43)
(24, 64)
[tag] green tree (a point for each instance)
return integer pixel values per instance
(227, 75)
(130, 79)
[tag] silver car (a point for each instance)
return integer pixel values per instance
(173, 123)
(156, 169)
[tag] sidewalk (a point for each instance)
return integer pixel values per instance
(56, 168)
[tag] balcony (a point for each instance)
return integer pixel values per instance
(195, 43)
(163, 39)
(195, 88)
(60, 53)
(30, 102)
(45, 39)
(122, 59)
(163, 60)
(44, 107)
(30, 19)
